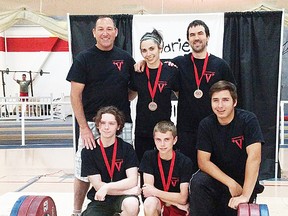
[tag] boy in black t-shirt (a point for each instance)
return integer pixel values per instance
(99, 76)
(166, 174)
(229, 155)
(112, 169)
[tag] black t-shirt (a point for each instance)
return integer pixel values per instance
(106, 75)
(93, 163)
(168, 82)
(190, 109)
(182, 171)
(227, 143)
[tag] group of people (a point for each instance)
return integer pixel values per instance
(206, 166)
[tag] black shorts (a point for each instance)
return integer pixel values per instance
(106, 208)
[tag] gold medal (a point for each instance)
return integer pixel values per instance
(152, 106)
(198, 93)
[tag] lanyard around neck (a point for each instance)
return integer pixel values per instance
(166, 185)
(109, 169)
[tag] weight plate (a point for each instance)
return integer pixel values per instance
(243, 209)
(254, 209)
(42, 205)
(264, 211)
(25, 205)
(17, 205)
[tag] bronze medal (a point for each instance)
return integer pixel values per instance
(152, 106)
(198, 93)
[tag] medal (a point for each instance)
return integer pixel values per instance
(152, 106)
(198, 93)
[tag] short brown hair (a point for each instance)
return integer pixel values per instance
(103, 17)
(119, 116)
(224, 85)
(197, 23)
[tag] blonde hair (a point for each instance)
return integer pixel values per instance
(164, 126)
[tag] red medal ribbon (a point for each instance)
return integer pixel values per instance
(198, 81)
(166, 185)
(110, 169)
(153, 92)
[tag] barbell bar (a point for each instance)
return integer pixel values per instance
(41, 72)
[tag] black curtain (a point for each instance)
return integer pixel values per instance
(82, 37)
(251, 47)
(81, 32)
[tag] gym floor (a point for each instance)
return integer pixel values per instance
(49, 172)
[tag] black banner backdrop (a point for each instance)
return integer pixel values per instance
(81, 32)
(251, 47)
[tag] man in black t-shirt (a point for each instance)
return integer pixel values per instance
(112, 169)
(229, 155)
(199, 70)
(99, 76)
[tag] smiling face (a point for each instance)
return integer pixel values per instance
(108, 126)
(164, 143)
(223, 106)
(198, 39)
(105, 33)
(150, 52)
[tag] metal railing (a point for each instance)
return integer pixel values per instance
(282, 123)
(33, 108)
(281, 143)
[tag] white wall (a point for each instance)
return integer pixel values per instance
(56, 63)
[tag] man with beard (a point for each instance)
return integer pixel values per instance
(198, 71)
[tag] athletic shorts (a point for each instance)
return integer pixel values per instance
(110, 206)
(23, 94)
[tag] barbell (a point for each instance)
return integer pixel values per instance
(41, 72)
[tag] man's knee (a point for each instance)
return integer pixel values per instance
(198, 179)
(202, 185)
(151, 205)
(130, 206)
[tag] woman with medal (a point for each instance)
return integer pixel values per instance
(112, 169)
(166, 175)
(154, 88)
(199, 70)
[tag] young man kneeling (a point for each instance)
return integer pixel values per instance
(112, 169)
(166, 175)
